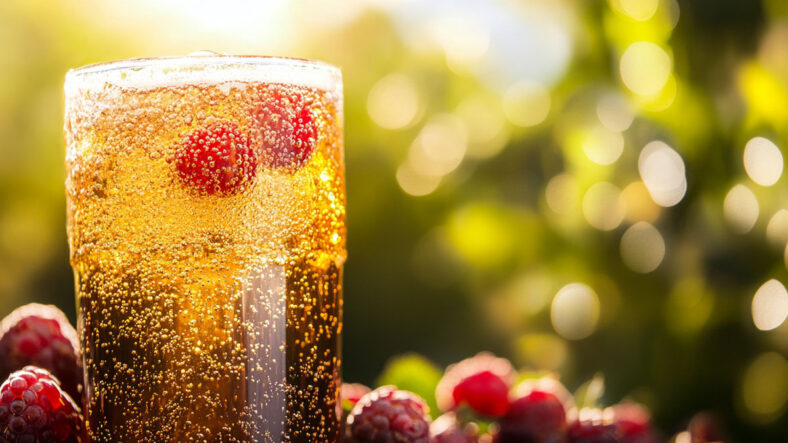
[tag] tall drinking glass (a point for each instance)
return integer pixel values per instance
(206, 224)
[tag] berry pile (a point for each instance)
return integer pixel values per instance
(38, 348)
(482, 399)
(481, 402)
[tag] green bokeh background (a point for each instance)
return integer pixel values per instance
(474, 264)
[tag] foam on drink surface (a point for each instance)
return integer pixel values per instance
(204, 317)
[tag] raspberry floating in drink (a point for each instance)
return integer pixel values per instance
(216, 159)
(289, 130)
(33, 408)
(41, 335)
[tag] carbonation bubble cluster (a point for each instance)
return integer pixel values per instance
(206, 223)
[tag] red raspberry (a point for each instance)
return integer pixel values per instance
(216, 159)
(705, 427)
(633, 422)
(352, 392)
(33, 408)
(42, 336)
(538, 415)
(482, 382)
(289, 130)
(587, 431)
(387, 415)
(446, 429)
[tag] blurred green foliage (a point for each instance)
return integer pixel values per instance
(494, 155)
(413, 373)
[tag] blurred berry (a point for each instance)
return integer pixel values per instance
(634, 423)
(33, 408)
(352, 392)
(387, 415)
(481, 382)
(537, 417)
(586, 431)
(41, 335)
(548, 384)
(706, 428)
(446, 429)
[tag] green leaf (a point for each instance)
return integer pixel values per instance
(414, 373)
(589, 393)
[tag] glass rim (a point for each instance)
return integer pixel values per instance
(210, 67)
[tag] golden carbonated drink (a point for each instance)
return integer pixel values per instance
(206, 222)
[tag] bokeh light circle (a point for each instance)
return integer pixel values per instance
(561, 193)
(414, 183)
(638, 203)
(764, 388)
(642, 247)
(662, 170)
(484, 118)
(763, 161)
(575, 311)
(440, 146)
(526, 103)
(640, 10)
(603, 206)
(614, 112)
(770, 305)
(394, 102)
(645, 68)
(777, 228)
(602, 145)
(741, 209)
